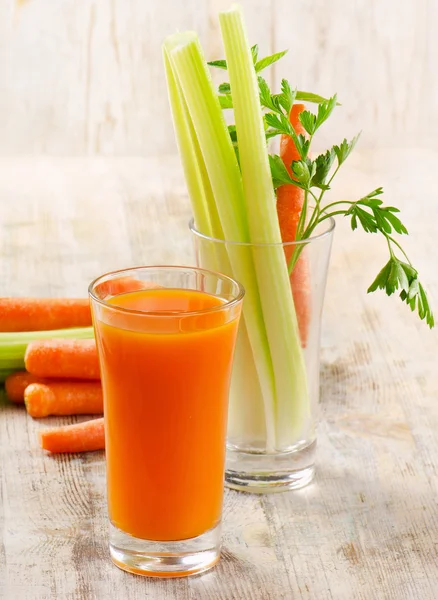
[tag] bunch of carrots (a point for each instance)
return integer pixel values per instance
(62, 375)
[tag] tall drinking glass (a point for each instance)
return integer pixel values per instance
(165, 338)
(275, 384)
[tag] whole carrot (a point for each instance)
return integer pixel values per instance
(64, 398)
(42, 314)
(80, 437)
(64, 359)
(289, 197)
(290, 201)
(17, 382)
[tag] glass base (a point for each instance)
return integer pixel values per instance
(261, 473)
(165, 559)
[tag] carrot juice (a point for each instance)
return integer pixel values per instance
(165, 357)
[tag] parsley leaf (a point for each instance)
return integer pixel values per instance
(232, 132)
(424, 310)
(266, 98)
(267, 61)
(226, 101)
(345, 148)
(302, 144)
(287, 96)
(398, 275)
(258, 65)
(270, 133)
(224, 88)
(312, 122)
(279, 123)
(309, 97)
(280, 175)
(308, 121)
(303, 170)
(280, 103)
(323, 164)
(373, 216)
(325, 109)
(219, 64)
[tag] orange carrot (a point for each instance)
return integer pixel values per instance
(43, 314)
(64, 359)
(17, 382)
(80, 437)
(289, 197)
(289, 205)
(64, 398)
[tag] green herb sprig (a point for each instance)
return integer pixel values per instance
(315, 177)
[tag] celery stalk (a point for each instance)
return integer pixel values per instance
(293, 408)
(204, 208)
(13, 345)
(199, 188)
(191, 72)
(214, 256)
(246, 418)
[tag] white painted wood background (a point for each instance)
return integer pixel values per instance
(86, 77)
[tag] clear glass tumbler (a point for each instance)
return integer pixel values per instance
(275, 383)
(165, 338)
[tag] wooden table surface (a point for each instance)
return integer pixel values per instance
(367, 528)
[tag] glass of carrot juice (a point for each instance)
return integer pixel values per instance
(165, 338)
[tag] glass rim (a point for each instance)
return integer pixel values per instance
(331, 224)
(168, 314)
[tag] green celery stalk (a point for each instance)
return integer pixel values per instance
(204, 208)
(198, 184)
(191, 72)
(293, 407)
(246, 416)
(13, 345)
(214, 256)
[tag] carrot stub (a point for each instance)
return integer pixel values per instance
(17, 382)
(64, 398)
(64, 359)
(290, 201)
(80, 437)
(43, 314)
